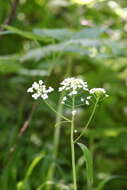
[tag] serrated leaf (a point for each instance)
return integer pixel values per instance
(89, 163)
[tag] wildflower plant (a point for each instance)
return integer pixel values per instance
(77, 94)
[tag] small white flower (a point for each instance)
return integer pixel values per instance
(73, 112)
(39, 90)
(50, 89)
(60, 89)
(44, 96)
(82, 99)
(89, 97)
(35, 96)
(70, 94)
(74, 92)
(64, 98)
(87, 102)
(41, 82)
(30, 89)
(35, 85)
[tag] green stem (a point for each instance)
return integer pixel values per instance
(73, 148)
(56, 140)
(90, 119)
(55, 143)
(56, 111)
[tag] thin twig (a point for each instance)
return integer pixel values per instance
(12, 14)
(23, 128)
(27, 122)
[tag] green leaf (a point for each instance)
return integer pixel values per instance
(5, 33)
(89, 163)
(88, 33)
(69, 46)
(33, 165)
(9, 58)
(25, 34)
(33, 72)
(58, 34)
(23, 185)
(6, 68)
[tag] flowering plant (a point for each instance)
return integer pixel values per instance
(74, 88)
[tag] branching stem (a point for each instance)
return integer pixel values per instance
(89, 120)
(49, 105)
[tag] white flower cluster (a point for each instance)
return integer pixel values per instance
(72, 86)
(98, 91)
(39, 90)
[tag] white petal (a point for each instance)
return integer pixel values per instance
(30, 90)
(40, 82)
(73, 112)
(89, 97)
(35, 96)
(82, 99)
(87, 103)
(35, 85)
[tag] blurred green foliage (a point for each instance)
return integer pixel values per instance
(41, 42)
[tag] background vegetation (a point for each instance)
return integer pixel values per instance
(49, 40)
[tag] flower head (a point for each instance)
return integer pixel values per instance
(98, 92)
(39, 90)
(73, 86)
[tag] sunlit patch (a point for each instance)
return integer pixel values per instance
(40, 2)
(82, 2)
(111, 133)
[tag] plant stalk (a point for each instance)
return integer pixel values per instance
(73, 148)
(59, 114)
(89, 120)
(56, 140)
(55, 144)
